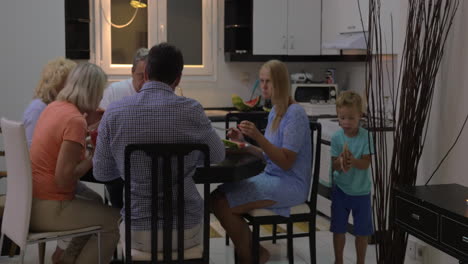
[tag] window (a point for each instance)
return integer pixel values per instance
(188, 24)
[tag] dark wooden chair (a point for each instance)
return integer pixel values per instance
(259, 118)
(305, 212)
(166, 154)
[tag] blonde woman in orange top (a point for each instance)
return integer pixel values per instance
(59, 160)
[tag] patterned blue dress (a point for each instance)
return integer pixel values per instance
(287, 187)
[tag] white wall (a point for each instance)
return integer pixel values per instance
(448, 114)
(450, 108)
(32, 32)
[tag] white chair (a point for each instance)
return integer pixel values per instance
(18, 202)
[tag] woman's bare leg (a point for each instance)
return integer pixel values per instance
(236, 226)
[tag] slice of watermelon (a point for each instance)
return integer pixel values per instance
(245, 106)
(233, 144)
(254, 102)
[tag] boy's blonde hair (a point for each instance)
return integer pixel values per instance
(53, 78)
(84, 87)
(281, 89)
(350, 99)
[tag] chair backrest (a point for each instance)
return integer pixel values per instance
(17, 212)
(315, 130)
(165, 154)
(259, 118)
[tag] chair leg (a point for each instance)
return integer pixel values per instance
(256, 243)
(1, 242)
(275, 226)
(22, 253)
(41, 247)
(312, 245)
(227, 240)
(13, 248)
(99, 246)
(290, 242)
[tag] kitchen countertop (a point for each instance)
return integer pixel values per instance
(218, 114)
(388, 125)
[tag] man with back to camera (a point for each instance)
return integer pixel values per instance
(156, 115)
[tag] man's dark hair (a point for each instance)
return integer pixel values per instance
(165, 63)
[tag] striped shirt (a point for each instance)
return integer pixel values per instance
(154, 115)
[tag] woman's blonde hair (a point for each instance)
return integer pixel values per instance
(53, 78)
(350, 99)
(281, 89)
(84, 87)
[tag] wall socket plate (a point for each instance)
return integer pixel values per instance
(415, 250)
(244, 77)
(420, 252)
(411, 249)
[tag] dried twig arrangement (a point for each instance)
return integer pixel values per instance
(428, 24)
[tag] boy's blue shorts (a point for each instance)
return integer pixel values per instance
(360, 206)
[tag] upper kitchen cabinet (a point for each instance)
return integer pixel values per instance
(238, 26)
(287, 27)
(345, 21)
(77, 25)
(353, 15)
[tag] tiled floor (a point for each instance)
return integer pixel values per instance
(221, 254)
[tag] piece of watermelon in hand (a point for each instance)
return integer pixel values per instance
(234, 144)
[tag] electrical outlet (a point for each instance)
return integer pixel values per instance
(245, 77)
(411, 249)
(420, 251)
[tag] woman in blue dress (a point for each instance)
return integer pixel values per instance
(286, 148)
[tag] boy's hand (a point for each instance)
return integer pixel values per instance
(346, 158)
(350, 160)
(344, 163)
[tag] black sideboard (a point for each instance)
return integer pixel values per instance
(436, 214)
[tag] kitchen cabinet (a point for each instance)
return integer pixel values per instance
(342, 16)
(351, 16)
(287, 27)
(77, 25)
(238, 26)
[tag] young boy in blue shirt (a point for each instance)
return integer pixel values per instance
(351, 149)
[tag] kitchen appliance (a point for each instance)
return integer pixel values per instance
(316, 98)
(301, 77)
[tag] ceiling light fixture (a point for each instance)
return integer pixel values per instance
(137, 4)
